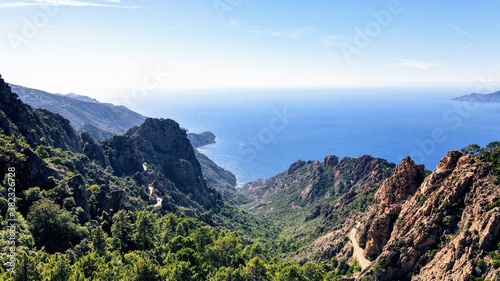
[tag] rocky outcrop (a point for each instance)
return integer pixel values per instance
(331, 160)
(314, 179)
(165, 145)
(295, 166)
(124, 156)
(77, 186)
(38, 127)
(94, 151)
(445, 227)
(402, 184)
(199, 140)
(329, 193)
(162, 144)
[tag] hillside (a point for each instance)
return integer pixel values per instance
(138, 207)
(133, 207)
(116, 165)
(100, 120)
(412, 225)
(315, 203)
(104, 120)
(446, 228)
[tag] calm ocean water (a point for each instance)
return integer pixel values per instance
(261, 132)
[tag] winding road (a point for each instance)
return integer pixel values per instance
(358, 252)
(151, 189)
(158, 199)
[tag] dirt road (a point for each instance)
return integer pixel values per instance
(358, 252)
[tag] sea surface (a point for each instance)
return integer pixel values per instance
(261, 132)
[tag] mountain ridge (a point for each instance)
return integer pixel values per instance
(144, 192)
(476, 97)
(83, 111)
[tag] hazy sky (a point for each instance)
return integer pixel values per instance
(111, 47)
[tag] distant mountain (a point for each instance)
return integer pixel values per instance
(156, 154)
(80, 97)
(37, 126)
(141, 201)
(104, 120)
(475, 97)
(85, 114)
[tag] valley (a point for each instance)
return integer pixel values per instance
(146, 205)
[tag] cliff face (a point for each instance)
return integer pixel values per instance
(199, 140)
(314, 179)
(395, 190)
(444, 229)
(37, 126)
(173, 182)
(317, 202)
(162, 144)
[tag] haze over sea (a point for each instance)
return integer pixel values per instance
(261, 132)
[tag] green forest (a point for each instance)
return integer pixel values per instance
(50, 241)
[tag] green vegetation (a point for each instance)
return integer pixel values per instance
(447, 221)
(136, 242)
(490, 153)
(142, 246)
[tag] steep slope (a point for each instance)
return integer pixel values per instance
(162, 145)
(446, 230)
(315, 204)
(220, 179)
(401, 185)
(83, 111)
(202, 139)
(115, 167)
(103, 121)
(37, 126)
(217, 177)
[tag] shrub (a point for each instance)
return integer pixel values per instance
(447, 221)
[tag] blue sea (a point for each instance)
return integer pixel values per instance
(261, 132)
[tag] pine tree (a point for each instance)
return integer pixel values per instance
(121, 230)
(57, 268)
(27, 269)
(146, 230)
(99, 238)
(53, 227)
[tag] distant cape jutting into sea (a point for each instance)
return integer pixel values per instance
(475, 97)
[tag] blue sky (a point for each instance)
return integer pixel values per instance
(104, 48)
